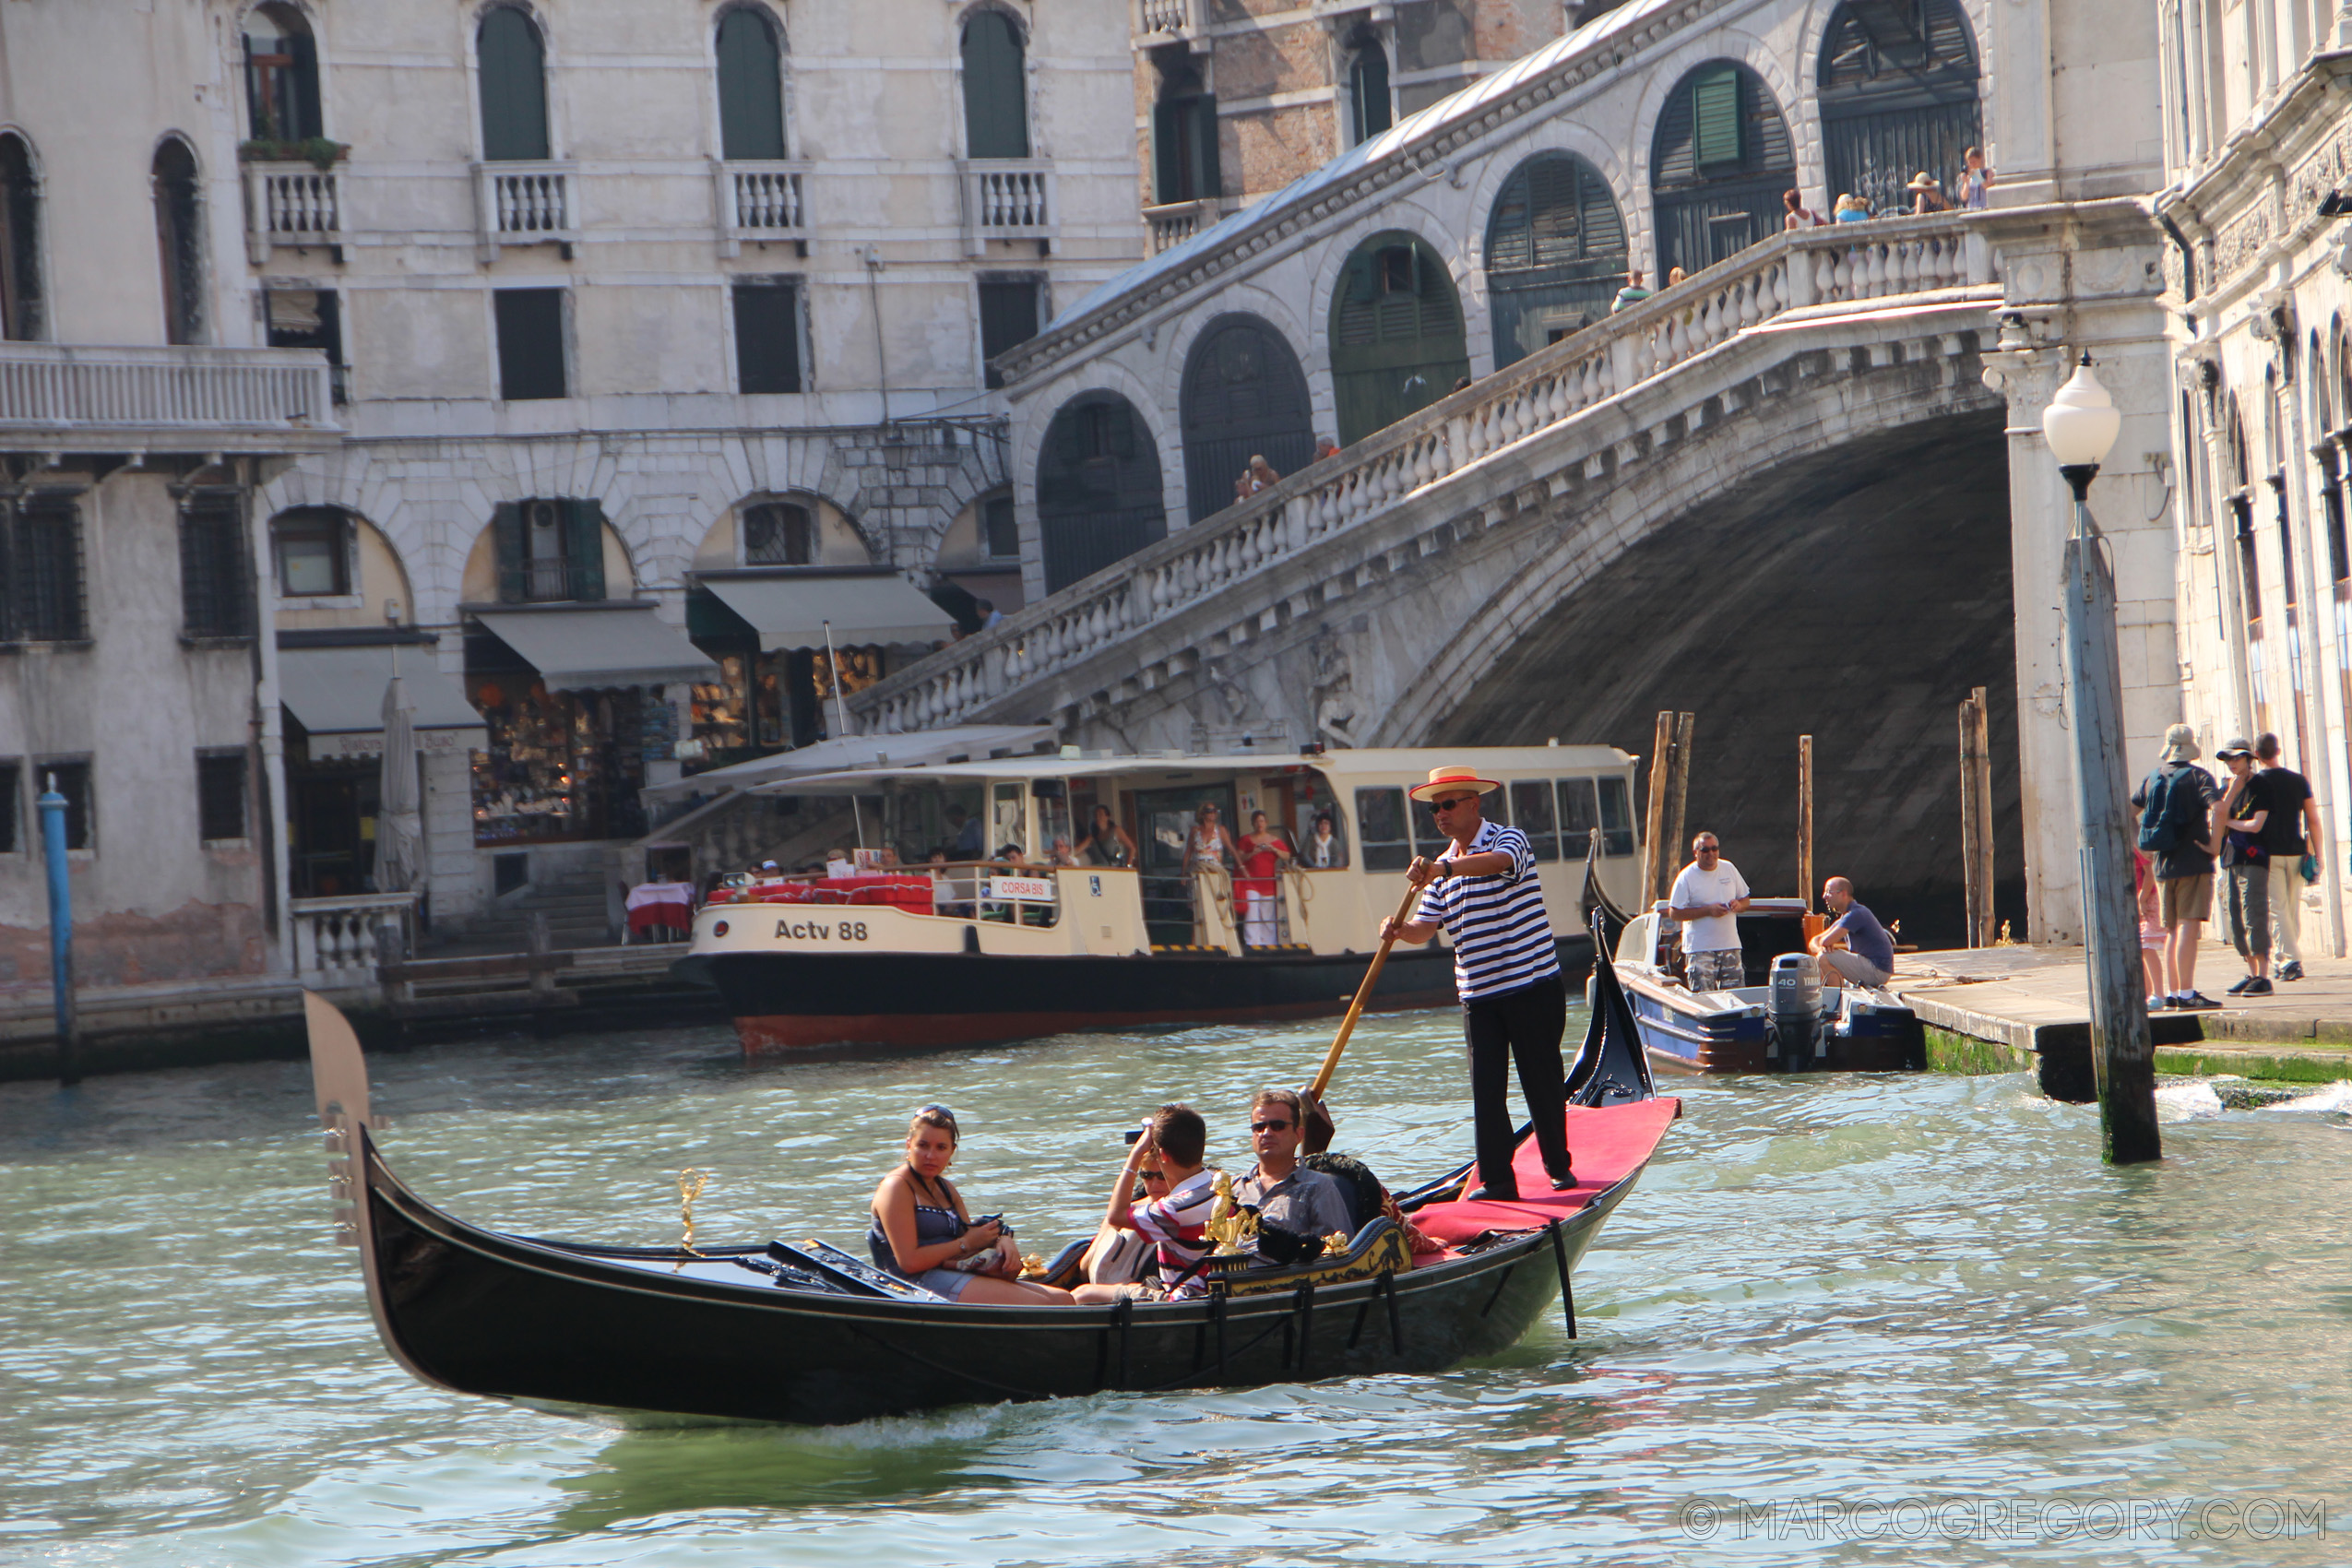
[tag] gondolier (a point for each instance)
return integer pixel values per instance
(1483, 893)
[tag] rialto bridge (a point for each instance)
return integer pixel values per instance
(1802, 493)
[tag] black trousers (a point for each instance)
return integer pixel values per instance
(1519, 1027)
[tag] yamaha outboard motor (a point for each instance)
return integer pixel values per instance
(1796, 1011)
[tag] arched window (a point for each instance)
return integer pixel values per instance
(751, 87)
(513, 62)
(1555, 254)
(1368, 90)
(1099, 497)
(23, 316)
(997, 112)
(1397, 340)
(1184, 135)
(1245, 396)
(179, 232)
(1718, 164)
(779, 533)
(281, 76)
(1899, 98)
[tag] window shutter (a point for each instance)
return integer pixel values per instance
(1008, 315)
(1167, 154)
(1714, 104)
(1369, 79)
(996, 122)
(531, 343)
(1207, 175)
(303, 80)
(767, 338)
(751, 92)
(514, 87)
(506, 532)
(583, 548)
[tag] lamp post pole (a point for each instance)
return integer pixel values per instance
(61, 928)
(2081, 424)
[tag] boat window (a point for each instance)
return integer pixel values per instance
(915, 822)
(1054, 835)
(1007, 823)
(1531, 810)
(1380, 818)
(1616, 818)
(1579, 814)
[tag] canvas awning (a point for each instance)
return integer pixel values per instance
(340, 690)
(791, 611)
(924, 746)
(580, 648)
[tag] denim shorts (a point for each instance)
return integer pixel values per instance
(948, 1282)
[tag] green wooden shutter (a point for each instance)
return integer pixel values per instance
(751, 92)
(996, 122)
(303, 84)
(767, 338)
(1167, 152)
(1008, 315)
(1204, 126)
(514, 87)
(1368, 78)
(506, 536)
(1714, 105)
(583, 548)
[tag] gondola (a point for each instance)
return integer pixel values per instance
(800, 1333)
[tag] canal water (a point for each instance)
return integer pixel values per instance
(1844, 1319)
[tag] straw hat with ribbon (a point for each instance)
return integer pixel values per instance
(1451, 780)
(1923, 180)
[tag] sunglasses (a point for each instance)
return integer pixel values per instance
(1271, 1126)
(1710, 849)
(1154, 1175)
(1449, 805)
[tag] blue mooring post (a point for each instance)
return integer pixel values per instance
(61, 927)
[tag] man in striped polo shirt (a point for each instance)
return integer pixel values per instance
(1483, 892)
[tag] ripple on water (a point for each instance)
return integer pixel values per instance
(1838, 1288)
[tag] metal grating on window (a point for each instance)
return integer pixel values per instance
(220, 795)
(43, 566)
(71, 779)
(215, 569)
(11, 806)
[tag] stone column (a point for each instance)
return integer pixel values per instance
(2082, 277)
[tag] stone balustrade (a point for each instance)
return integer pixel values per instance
(521, 204)
(290, 204)
(1008, 199)
(166, 399)
(1792, 278)
(1172, 223)
(339, 942)
(1156, 21)
(763, 200)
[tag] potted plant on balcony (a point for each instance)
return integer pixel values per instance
(319, 151)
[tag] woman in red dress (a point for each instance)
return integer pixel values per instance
(1255, 890)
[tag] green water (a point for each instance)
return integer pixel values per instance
(1893, 1319)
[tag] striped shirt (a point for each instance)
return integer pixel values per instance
(1502, 936)
(1177, 1225)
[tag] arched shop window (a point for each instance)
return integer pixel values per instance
(1098, 495)
(1396, 336)
(1897, 89)
(1555, 254)
(1720, 163)
(1245, 396)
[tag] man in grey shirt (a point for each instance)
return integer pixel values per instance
(1305, 1203)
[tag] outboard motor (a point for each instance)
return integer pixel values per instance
(1795, 1010)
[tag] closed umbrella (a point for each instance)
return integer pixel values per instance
(399, 825)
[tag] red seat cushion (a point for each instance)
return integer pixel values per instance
(1604, 1144)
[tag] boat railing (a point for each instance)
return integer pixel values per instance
(1006, 890)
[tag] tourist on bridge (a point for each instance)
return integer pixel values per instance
(1927, 193)
(1482, 891)
(2175, 804)
(1798, 215)
(2292, 836)
(1854, 943)
(1707, 900)
(1633, 293)
(2238, 822)
(1973, 190)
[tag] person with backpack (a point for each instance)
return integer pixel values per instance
(2176, 803)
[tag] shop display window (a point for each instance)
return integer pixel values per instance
(562, 764)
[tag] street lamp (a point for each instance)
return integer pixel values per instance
(2081, 425)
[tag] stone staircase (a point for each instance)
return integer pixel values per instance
(574, 903)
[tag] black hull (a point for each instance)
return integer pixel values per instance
(786, 1000)
(554, 1324)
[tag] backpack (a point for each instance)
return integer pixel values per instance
(2159, 834)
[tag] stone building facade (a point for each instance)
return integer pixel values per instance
(618, 300)
(2258, 286)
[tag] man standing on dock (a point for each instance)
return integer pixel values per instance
(1483, 892)
(1708, 897)
(2291, 835)
(2175, 804)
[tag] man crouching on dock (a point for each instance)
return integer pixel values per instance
(1482, 891)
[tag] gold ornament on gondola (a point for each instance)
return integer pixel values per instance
(1227, 1224)
(691, 1181)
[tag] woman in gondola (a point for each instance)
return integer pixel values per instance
(1261, 857)
(921, 1231)
(1106, 843)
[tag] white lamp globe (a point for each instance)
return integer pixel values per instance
(2082, 422)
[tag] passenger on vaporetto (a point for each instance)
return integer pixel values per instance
(1483, 892)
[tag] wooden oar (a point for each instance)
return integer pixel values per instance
(1320, 1127)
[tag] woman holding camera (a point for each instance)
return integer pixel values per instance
(923, 1233)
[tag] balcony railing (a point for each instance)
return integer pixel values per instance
(339, 942)
(1006, 198)
(290, 204)
(759, 202)
(166, 400)
(1176, 221)
(523, 204)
